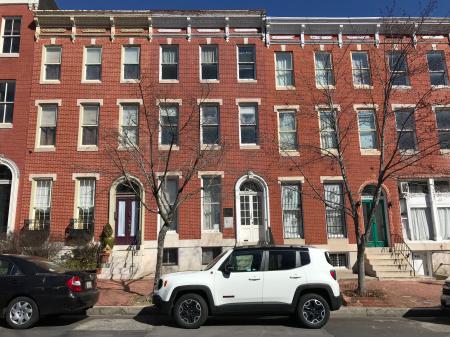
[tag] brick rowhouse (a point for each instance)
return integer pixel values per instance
(67, 174)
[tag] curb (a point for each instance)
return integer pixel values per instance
(344, 312)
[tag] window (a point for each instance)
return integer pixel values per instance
(442, 186)
(52, 63)
(444, 222)
(93, 66)
(291, 205)
(211, 203)
(361, 69)
(406, 129)
(248, 124)
(324, 70)
(334, 210)
(245, 261)
(437, 68)
(282, 259)
(169, 191)
(129, 125)
(169, 62)
(209, 63)
(328, 135)
(170, 257)
(287, 130)
(339, 260)
(11, 35)
(443, 127)
(168, 115)
(47, 128)
(210, 124)
(89, 125)
(7, 268)
(86, 203)
(246, 63)
(398, 68)
(367, 130)
(209, 254)
(7, 94)
(131, 63)
(284, 69)
(42, 204)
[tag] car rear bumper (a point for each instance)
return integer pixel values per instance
(70, 303)
(163, 306)
(336, 302)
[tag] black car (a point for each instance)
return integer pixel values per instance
(32, 287)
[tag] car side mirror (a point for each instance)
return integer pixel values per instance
(229, 268)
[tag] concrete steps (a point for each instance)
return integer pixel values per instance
(122, 265)
(383, 263)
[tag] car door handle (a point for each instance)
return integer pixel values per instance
(254, 278)
(295, 276)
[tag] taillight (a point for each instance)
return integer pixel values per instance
(74, 284)
(333, 274)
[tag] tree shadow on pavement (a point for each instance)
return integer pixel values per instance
(434, 315)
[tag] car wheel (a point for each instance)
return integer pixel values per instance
(313, 311)
(190, 311)
(21, 313)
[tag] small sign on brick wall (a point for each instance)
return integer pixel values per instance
(227, 218)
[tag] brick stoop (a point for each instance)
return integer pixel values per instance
(386, 264)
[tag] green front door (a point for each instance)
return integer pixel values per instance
(378, 235)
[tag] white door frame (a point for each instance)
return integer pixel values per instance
(15, 173)
(265, 223)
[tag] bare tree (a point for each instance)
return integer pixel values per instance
(401, 137)
(168, 147)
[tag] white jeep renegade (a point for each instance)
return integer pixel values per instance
(258, 280)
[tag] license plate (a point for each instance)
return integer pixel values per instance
(88, 285)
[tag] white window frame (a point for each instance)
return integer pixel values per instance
(44, 79)
(288, 151)
(413, 130)
(161, 47)
(121, 104)
(343, 217)
(3, 124)
(216, 80)
(122, 64)
(175, 146)
(2, 39)
(35, 179)
(85, 64)
(445, 71)
(246, 80)
(331, 68)
(82, 103)
(78, 179)
(393, 72)
(284, 184)
(373, 151)
(39, 104)
(176, 176)
(206, 146)
(436, 108)
(249, 145)
(292, 85)
(202, 205)
(368, 69)
(320, 109)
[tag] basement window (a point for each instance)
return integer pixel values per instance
(339, 260)
(170, 257)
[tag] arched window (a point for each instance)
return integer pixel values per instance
(250, 186)
(127, 188)
(5, 173)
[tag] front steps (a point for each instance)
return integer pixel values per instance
(383, 263)
(123, 265)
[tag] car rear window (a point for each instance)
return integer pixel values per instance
(282, 259)
(47, 265)
(305, 258)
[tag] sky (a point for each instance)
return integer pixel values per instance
(327, 8)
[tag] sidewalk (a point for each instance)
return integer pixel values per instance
(386, 293)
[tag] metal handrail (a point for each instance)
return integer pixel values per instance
(399, 246)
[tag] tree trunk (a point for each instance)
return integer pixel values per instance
(159, 254)
(361, 268)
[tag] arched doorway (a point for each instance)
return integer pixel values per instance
(252, 210)
(5, 197)
(379, 221)
(127, 215)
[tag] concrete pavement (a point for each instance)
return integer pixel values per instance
(158, 326)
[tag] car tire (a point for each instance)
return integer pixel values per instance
(313, 311)
(21, 313)
(190, 311)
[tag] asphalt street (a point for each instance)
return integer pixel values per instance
(148, 326)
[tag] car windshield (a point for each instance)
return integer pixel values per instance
(50, 266)
(213, 262)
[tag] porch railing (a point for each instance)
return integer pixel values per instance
(400, 247)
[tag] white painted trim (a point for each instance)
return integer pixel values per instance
(160, 101)
(290, 152)
(299, 179)
(325, 179)
(211, 173)
(201, 101)
(122, 60)
(13, 194)
(39, 102)
(88, 101)
(440, 106)
(240, 80)
(277, 108)
(248, 100)
(81, 103)
(83, 66)
(161, 80)
(202, 193)
(76, 176)
(43, 57)
(37, 146)
(320, 107)
(403, 106)
(178, 174)
(37, 176)
(121, 101)
(357, 107)
(6, 126)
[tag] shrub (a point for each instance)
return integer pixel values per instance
(27, 243)
(107, 238)
(82, 258)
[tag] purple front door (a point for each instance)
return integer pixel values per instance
(127, 220)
